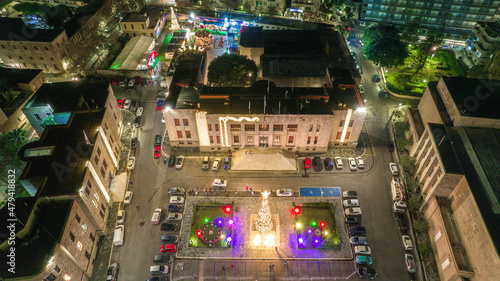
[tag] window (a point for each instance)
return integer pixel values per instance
(142, 26)
(209, 127)
(98, 151)
(235, 127)
(176, 122)
(188, 134)
(347, 135)
(37, 117)
(77, 217)
(132, 26)
(87, 255)
(111, 139)
(91, 236)
(278, 128)
(124, 26)
(36, 48)
(339, 135)
(351, 123)
(31, 58)
(290, 139)
(185, 121)
(46, 48)
(14, 47)
(263, 127)
(71, 236)
(79, 245)
(104, 164)
(308, 140)
(103, 173)
(10, 57)
(218, 139)
(51, 59)
(96, 196)
(57, 45)
(341, 123)
(216, 127)
(211, 139)
(292, 128)
(315, 140)
(101, 213)
(236, 139)
(24, 47)
(96, 159)
(179, 134)
(48, 114)
(249, 127)
(277, 139)
(310, 128)
(317, 128)
(250, 140)
(84, 227)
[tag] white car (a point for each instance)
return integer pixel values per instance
(353, 211)
(215, 165)
(174, 217)
(219, 183)
(120, 218)
(394, 169)
(139, 111)
(407, 243)
(131, 163)
(131, 82)
(284, 192)
(179, 162)
(163, 93)
(363, 250)
(338, 163)
(127, 104)
(128, 197)
(352, 164)
(361, 89)
(349, 194)
(410, 263)
(162, 119)
(176, 200)
(361, 162)
(155, 219)
(351, 203)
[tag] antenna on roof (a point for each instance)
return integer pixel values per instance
(249, 105)
(279, 107)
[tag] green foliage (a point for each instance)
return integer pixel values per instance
(55, 15)
(207, 5)
(407, 163)
(425, 248)
(324, 205)
(349, 13)
(419, 60)
(330, 3)
(384, 46)
(420, 225)
(48, 121)
(400, 128)
(413, 204)
(272, 11)
(412, 184)
(10, 144)
(411, 32)
(247, 6)
(232, 71)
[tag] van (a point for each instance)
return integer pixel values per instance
(118, 237)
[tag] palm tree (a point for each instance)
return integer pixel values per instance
(48, 121)
(18, 136)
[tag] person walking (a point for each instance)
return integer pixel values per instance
(223, 268)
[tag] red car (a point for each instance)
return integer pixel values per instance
(168, 248)
(138, 81)
(307, 163)
(157, 151)
(120, 103)
(114, 81)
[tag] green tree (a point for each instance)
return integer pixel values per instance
(348, 12)
(10, 144)
(407, 163)
(412, 184)
(48, 121)
(5, 90)
(413, 204)
(419, 60)
(56, 16)
(247, 7)
(330, 3)
(411, 31)
(272, 11)
(207, 5)
(425, 248)
(232, 4)
(384, 46)
(420, 225)
(232, 71)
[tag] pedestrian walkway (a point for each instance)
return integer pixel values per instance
(320, 191)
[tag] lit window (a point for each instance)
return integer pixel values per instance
(66, 277)
(79, 245)
(84, 227)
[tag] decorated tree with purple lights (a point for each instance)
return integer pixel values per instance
(264, 223)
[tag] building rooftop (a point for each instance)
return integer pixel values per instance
(130, 56)
(71, 96)
(44, 232)
(19, 75)
(14, 29)
(135, 17)
(487, 92)
(293, 66)
(82, 15)
(445, 149)
(479, 157)
(492, 28)
(53, 175)
(443, 113)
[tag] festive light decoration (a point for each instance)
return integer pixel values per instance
(313, 223)
(310, 231)
(227, 209)
(228, 239)
(201, 125)
(346, 125)
(296, 210)
(257, 240)
(301, 240)
(298, 225)
(223, 126)
(269, 240)
(222, 236)
(220, 221)
(206, 220)
(174, 24)
(326, 232)
(230, 222)
(198, 233)
(264, 223)
(322, 224)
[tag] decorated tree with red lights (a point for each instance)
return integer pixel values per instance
(264, 223)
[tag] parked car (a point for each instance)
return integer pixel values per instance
(131, 82)
(352, 220)
(133, 105)
(127, 103)
(284, 192)
(357, 231)
(155, 219)
(394, 169)
(215, 164)
(350, 194)
(205, 163)
(162, 258)
(338, 163)
(158, 269)
(169, 238)
(358, 240)
(363, 250)
(366, 260)
(123, 82)
(179, 162)
(227, 163)
(120, 103)
(367, 272)
(219, 183)
(157, 139)
(307, 163)
(168, 248)
(174, 217)
(407, 243)
(353, 211)
(163, 93)
(120, 217)
(162, 119)
(168, 227)
(159, 104)
(134, 142)
(176, 200)
(188, 103)
(138, 81)
(112, 272)
(157, 152)
(131, 163)
(328, 164)
(376, 78)
(383, 93)
(128, 197)
(175, 208)
(361, 89)
(410, 263)
(351, 203)
(390, 146)
(171, 160)
(352, 164)
(361, 162)
(176, 191)
(138, 122)
(402, 225)
(317, 165)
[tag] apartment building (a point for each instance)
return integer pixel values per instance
(304, 7)
(487, 42)
(456, 138)
(147, 22)
(25, 47)
(461, 15)
(72, 3)
(492, 68)
(59, 100)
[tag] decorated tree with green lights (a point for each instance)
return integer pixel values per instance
(264, 223)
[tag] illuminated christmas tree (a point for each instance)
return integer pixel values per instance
(174, 24)
(264, 223)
